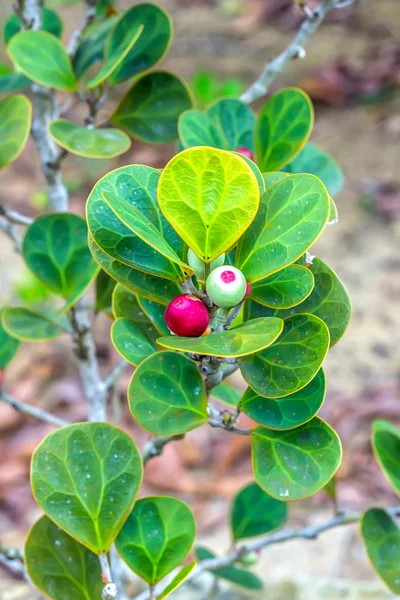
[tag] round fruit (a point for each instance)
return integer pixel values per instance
(245, 152)
(187, 316)
(226, 286)
(197, 264)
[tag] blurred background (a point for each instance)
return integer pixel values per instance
(352, 73)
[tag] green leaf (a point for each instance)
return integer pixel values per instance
(386, 446)
(151, 46)
(177, 580)
(125, 304)
(254, 513)
(315, 161)
(329, 301)
(8, 348)
(157, 537)
(273, 177)
(216, 208)
(13, 82)
(90, 143)
(228, 124)
(287, 412)
(143, 284)
(151, 108)
(28, 325)
(155, 312)
(116, 50)
(283, 127)
(131, 342)
(242, 340)
(51, 22)
(293, 465)
(91, 49)
(167, 396)
(42, 57)
(104, 291)
(333, 213)
(381, 537)
(145, 230)
(86, 477)
(292, 215)
(239, 577)
(257, 173)
(292, 361)
(55, 248)
(284, 289)
(15, 124)
(227, 394)
(59, 566)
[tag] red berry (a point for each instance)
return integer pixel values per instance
(187, 316)
(246, 152)
(248, 290)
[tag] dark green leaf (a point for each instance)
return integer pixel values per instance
(314, 160)
(283, 127)
(131, 342)
(166, 394)
(284, 289)
(157, 537)
(28, 325)
(254, 513)
(287, 412)
(91, 49)
(126, 304)
(12, 82)
(227, 394)
(90, 143)
(86, 477)
(8, 347)
(293, 465)
(151, 108)
(59, 566)
(155, 313)
(381, 537)
(386, 446)
(177, 580)
(104, 290)
(51, 22)
(15, 123)
(292, 215)
(232, 574)
(292, 361)
(42, 57)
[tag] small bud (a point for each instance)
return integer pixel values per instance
(187, 316)
(226, 286)
(246, 152)
(250, 559)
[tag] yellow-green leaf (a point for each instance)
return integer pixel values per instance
(90, 143)
(15, 124)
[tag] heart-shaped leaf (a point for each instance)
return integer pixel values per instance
(228, 124)
(51, 22)
(166, 394)
(55, 248)
(144, 229)
(292, 215)
(15, 124)
(116, 50)
(381, 537)
(91, 49)
(283, 127)
(287, 412)
(210, 197)
(239, 577)
(292, 361)
(151, 108)
(28, 325)
(152, 44)
(386, 446)
(59, 566)
(315, 161)
(42, 57)
(157, 537)
(86, 477)
(143, 284)
(293, 465)
(131, 342)
(244, 339)
(155, 312)
(12, 82)
(227, 394)
(177, 580)
(104, 290)
(90, 143)
(254, 513)
(8, 348)
(285, 288)
(329, 301)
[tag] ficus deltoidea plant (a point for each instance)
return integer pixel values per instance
(205, 268)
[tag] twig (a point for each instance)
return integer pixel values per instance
(233, 314)
(11, 553)
(31, 411)
(14, 217)
(90, 14)
(110, 589)
(295, 50)
(9, 219)
(225, 420)
(115, 374)
(156, 446)
(308, 533)
(9, 230)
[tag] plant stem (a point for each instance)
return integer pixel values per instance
(31, 411)
(90, 14)
(110, 589)
(156, 446)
